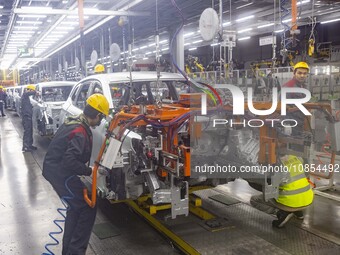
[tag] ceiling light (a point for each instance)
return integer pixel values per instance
(303, 2)
(187, 44)
(59, 32)
(1, 6)
(197, 41)
(135, 49)
(226, 23)
(188, 34)
(143, 47)
(70, 23)
(245, 18)
(214, 44)
(329, 21)
(152, 44)
(23, 32)
(244, 38)
(165, 49)
(25, 27)
(164, 41)
(266, 25)
(31, 16)
(245, 5)
(66, 28)
(36, 9)
(191, 49)
(244, 30)
(279, 31)
(28, 22)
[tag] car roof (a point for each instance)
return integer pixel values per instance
(136, 76)
(56, 83)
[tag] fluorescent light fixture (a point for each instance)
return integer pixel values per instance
(303, 2)
(23, 32)
(245, 18)
(329, 21)
(187, 44)
(152, 44)
(165, 49)
(59, 32)
(69, 23)
(143, 47)
(28, 22)
(19, 37)
(197, 41)
(34, 8)
(244, 30)
(279, 31)
(32, 16)
(245, 5)
(25, 27)
(103, 21)
(65, 28)
(266, 25)
(147, 53)
(226, 23)
(244, 38)
(135, 49)
(1, 6)
(191, 49)
(214, 44)
(188, 34)
(164, 41)
(145, 58)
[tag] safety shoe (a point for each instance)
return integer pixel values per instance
(33, 147)
(299, 215)
(282, 218)
(25, 149)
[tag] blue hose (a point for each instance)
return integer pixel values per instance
(62, 212)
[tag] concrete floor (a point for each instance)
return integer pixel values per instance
(28, 206)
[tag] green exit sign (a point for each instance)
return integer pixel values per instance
(25, 52)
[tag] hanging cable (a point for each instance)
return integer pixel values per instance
(158, 98)
(311, 40)
(62, 212)
(174, 37)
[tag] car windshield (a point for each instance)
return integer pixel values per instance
(145, 92)
(55, 94)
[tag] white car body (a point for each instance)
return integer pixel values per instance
(47, 104)
(102, 82)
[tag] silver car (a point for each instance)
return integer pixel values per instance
(47, 104)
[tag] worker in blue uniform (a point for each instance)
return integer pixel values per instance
(26, 115)
(67, 158)
(3, 97)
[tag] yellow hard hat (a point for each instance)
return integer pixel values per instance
(31, 87)
(4, 89)
(99, 102)
(303, 65)
(1, 87)
(99, 68)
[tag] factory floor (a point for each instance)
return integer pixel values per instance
(28, 207)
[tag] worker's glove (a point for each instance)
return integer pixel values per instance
(88, 171)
